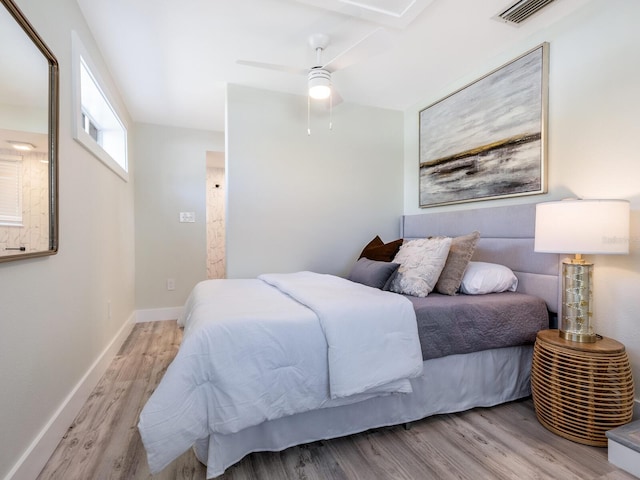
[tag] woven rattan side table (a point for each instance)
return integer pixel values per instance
(581, 390)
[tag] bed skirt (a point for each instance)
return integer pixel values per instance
(449, 384)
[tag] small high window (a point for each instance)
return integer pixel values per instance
(98, 126)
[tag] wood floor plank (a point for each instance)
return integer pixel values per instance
(494, 450)
(538, 460)
(503, 442)
(82, 430)
(550, 450)
(349, 456)
(315, 462)
(441, 434)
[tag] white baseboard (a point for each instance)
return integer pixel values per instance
(36, 456)
(158, 314)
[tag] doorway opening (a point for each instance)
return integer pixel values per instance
(216, 267)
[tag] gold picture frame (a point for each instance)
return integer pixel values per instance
(488, 139)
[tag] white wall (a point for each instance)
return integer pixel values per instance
(594, 143)
(170, 178)
(300, 202)
(54, 321)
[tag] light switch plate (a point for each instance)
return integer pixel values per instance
(187, 217)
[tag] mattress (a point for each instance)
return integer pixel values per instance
(449, 325)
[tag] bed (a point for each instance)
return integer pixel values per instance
(259, 396)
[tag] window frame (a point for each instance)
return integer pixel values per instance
(80, 57)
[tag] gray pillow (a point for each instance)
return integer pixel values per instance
(460, 253)
(372, 272)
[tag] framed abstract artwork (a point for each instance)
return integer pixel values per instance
(488, 139)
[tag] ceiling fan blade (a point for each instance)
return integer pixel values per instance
(372, 44)
(273, 66)
(336, 98)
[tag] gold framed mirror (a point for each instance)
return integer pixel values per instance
(28, 140)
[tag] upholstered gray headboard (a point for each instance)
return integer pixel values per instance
(506, 237)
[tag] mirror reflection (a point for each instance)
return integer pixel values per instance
(28, 138)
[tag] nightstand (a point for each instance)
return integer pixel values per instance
(581, 390)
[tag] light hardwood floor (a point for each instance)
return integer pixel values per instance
(504, 442)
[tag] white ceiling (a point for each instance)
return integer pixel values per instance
(172, 59)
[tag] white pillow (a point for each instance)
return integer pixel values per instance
(421, 262)
(481, 277)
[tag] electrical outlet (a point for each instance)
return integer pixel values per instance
(187, 217)
(171, 284)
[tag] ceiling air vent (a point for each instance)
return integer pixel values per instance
(521, 10)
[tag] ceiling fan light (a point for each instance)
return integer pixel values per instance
(22, 146)
(319, 83)
(319, 92)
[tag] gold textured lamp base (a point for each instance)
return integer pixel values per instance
(578, 337)
(575, 322)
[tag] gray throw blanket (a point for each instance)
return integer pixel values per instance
(449, 325)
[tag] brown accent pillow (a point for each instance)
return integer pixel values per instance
(460, 253)
(377, 250)
(376, 242)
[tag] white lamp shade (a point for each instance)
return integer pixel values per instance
(582, 226)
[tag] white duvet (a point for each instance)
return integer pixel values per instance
(260, 349)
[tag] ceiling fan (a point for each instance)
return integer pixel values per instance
(319, 76)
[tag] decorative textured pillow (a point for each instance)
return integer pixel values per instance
(482, 277)
(377, 250)
(421, 262)
(460, 254)
(372, 273)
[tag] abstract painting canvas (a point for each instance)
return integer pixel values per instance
(488, 139)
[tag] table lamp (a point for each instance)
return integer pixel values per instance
(580, 227)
